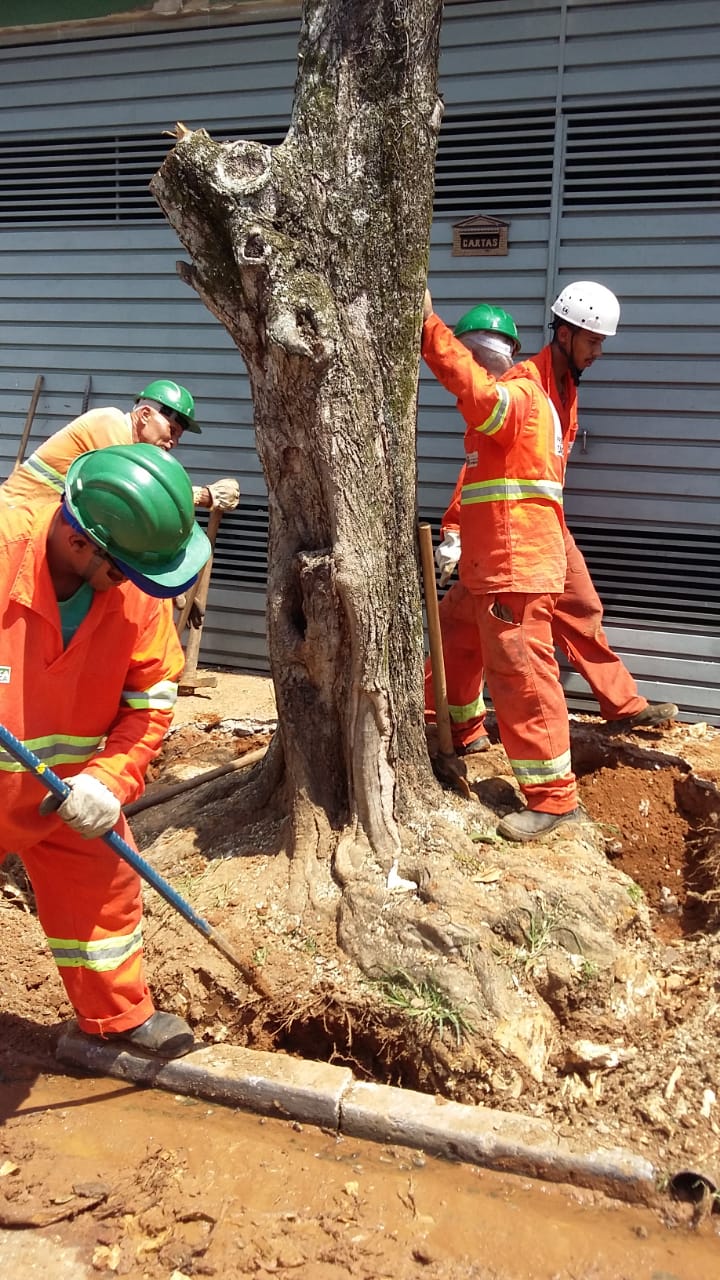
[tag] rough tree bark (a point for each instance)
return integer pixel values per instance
(313, 255)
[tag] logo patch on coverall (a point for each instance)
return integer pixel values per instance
(5, 675)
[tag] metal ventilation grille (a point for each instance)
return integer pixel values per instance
(97, 180)
(240, 557)
(104, 180)
(650, 576)
(475, 166)
(660, 155)
(641, 575)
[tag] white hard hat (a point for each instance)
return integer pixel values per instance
(588, 305)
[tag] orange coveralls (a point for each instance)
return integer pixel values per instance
(42, 476)
(513, 563)
(577, 621)
(102, 706)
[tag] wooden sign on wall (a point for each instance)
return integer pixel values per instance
(480, 236)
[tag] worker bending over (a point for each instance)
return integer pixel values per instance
(513, 562)
(160, 415)
(584, 314)
(89, 667)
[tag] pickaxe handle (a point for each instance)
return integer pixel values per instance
(61, 790)
(432, 613)
(29, 420)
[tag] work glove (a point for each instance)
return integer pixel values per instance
(91, 808)
(224, 494)
(448, 553)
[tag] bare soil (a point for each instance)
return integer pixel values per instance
(655, 797)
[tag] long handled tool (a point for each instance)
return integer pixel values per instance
(29, 420)
(447, 765)
(61, 790)
(198, 595)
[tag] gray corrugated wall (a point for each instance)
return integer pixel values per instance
(105, 300)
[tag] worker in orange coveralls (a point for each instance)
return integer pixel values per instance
(89, 664)
(160, 415)
(584, 314)
(513, 563)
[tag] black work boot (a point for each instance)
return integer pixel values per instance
(163, 1034)
(654, 713)
(531, 824)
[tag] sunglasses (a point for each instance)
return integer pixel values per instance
(173, 417)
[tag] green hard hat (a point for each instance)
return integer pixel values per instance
(172, 396)
(488, 319)
(135, 501)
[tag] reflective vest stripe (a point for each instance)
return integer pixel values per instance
(100, 956)
(53, 751)
(468, 712)
(40, 470)
(161, 697)
(494, 422)
(506, 490)
(532, 772)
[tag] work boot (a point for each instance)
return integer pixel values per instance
(653, 713)
(163, 1034)
(531, 824)
(475, 747)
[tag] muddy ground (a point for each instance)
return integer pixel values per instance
(654, 796)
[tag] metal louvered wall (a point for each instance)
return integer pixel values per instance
(590, 126)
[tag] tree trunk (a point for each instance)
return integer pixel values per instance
(313, 255)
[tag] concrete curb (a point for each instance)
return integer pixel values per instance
(330, 1097)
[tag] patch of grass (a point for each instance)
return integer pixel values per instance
(426, 1002)
(635, 893)
(468, 863)
(543, 923)
(588, 972)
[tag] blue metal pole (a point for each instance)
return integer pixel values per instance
(61, 790)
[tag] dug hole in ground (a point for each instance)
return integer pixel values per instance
(619, 1045)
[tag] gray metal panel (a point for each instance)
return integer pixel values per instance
(105, 300)
(626, 50)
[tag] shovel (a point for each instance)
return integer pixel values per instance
(61, 790)
(447, 766)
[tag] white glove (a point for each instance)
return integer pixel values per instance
(91, 808)
(224, 494)
(448, 553)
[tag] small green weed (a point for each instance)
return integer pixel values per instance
(545, 921)
(635, 893)
(260, 955)
(425, 1001)
(588, 972)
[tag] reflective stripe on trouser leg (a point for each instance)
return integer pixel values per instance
(577, 631)
(90, 907)
(464, 675)
(524, 682)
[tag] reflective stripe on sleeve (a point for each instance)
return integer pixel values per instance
(494, 422)
(100, 956)
(40, 470)
(160, 697)
(52, 751)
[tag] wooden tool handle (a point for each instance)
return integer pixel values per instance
(442, 714)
